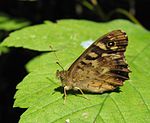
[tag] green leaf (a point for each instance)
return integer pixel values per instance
(40, 91)
(3, 50)
(7, 23)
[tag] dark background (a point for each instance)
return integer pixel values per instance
(12, 69)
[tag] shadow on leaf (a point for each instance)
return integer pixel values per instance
(74, 92)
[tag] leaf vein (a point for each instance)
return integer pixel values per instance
(140, 96)
(98, 114)
(82, 110)
(118, 108)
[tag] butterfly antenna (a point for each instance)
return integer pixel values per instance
(58, 63)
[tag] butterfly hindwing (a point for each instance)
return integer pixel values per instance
(102, 67)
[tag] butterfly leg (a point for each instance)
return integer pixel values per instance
(77, 88)
(65, 93)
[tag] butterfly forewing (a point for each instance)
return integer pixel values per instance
(101, 67)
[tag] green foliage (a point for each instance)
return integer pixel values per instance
(3, 50)
(39, 91)
(9, 24)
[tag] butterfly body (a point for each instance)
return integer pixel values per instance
(102, 67)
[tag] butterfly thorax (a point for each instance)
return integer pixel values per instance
(65, 80)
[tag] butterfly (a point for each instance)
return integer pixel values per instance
(101, 67)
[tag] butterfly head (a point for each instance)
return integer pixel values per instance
(62, 75)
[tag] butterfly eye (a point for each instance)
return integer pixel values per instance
(110, 44)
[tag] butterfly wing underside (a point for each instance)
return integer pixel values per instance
(101, 67)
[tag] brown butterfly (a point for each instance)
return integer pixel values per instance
(101, 67)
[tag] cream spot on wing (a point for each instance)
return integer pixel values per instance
(114, 56)
(111, 38)
(80, 65)
(121, 37)
(86, 61)
(101, 45)
(104, 70)
(105, 54)
(95, 63)
(113, 48)
(93, 54)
